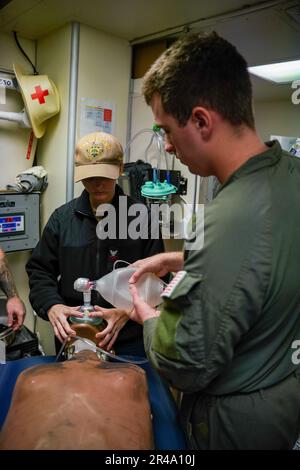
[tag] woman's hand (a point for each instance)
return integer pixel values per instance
(58, 315)
(115, 318)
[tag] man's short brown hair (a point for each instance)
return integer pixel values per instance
(202, 70)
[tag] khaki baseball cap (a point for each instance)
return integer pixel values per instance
(98, 154)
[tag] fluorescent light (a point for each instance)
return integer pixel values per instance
(282, 72)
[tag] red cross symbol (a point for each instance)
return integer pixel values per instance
(39, 95)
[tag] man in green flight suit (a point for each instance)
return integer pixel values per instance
(226, 332)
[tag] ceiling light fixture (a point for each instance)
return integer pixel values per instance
(281, 72)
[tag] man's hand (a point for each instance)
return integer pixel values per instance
(15, 312)
(115, 318)
(58, 315)
(160, 264)
(141, 311)
(15, 308)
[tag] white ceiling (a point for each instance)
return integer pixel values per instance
(264, 32)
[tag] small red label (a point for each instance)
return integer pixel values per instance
(107, 115)
(28, 154)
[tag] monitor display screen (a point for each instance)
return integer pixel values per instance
(12, 224)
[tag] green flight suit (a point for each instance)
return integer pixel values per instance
(226, 332)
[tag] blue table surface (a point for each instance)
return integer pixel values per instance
(168, 434)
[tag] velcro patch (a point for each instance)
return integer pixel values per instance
(180, 275)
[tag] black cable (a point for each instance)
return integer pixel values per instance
(35, 72)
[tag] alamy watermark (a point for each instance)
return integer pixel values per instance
(296, 354)
(162, 220)
(296, 93)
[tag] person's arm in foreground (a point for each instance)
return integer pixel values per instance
(15, 308)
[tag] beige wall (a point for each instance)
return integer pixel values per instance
(53, 59)
(9, 52)
(277, 118)
(104, 73)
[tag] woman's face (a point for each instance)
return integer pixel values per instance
(100, 189)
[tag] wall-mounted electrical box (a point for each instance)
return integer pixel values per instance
(19, 220)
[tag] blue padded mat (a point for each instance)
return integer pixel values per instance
(167, 431)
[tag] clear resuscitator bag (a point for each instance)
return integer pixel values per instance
(114, 287)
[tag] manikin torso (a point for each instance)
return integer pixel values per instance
(82, 403)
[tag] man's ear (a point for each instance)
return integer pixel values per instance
(203, 120)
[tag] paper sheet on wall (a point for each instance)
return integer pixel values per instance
(96, 115)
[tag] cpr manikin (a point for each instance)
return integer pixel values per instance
(82, 403)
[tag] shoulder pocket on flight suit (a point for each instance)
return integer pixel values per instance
(181, 285)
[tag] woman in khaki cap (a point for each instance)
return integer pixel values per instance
(69, 248)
